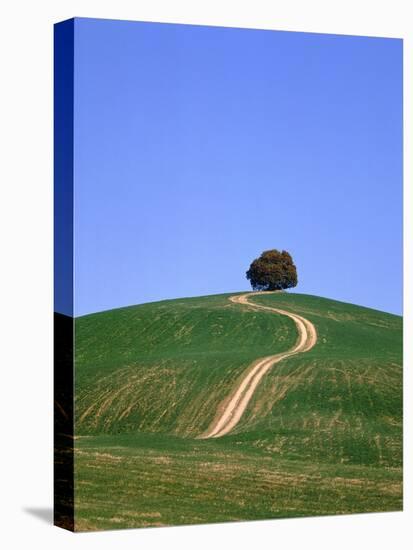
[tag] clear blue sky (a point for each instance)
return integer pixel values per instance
(196, 148)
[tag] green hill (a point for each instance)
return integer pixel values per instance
(322, 433)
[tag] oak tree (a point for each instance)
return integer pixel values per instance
(273, 270)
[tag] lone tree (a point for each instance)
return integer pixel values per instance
(273, 270)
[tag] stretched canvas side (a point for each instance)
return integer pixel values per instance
(63, 276)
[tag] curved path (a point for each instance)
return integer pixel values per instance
(237, 403)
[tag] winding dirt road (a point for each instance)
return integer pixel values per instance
(234, 406)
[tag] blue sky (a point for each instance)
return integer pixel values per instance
(196, 148)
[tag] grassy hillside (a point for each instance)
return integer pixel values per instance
(321, 435)
(164, 367)
(343, 397)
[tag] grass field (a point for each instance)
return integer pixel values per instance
(321, 435)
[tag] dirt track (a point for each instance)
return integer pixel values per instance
(234, 406)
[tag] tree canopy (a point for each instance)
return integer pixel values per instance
(273, 270)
